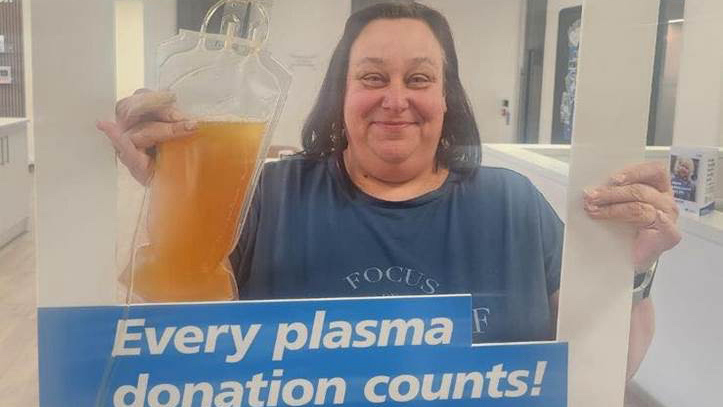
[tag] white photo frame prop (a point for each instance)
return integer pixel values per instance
(612, 105)
(611, 115)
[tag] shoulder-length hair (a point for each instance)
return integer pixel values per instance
(459, 148)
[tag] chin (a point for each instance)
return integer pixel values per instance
(394, 155)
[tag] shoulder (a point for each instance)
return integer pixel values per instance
(505, 191)
(495, 181)
(295, 179)
(292, 166)
(295, 170)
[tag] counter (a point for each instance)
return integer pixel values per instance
(15, 179)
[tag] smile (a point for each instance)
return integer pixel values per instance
(394, 125)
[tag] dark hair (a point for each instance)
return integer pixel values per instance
(322, 135)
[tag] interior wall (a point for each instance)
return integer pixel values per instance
(303, 36)
(488, 35)
(548, 75)
(699, 108)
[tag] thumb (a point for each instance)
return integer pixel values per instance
(669, 229)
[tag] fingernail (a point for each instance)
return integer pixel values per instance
(619, 179)
(591, 207)
(591, 193)
(177, 116)
(190, 126)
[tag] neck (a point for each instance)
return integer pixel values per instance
(398, 189)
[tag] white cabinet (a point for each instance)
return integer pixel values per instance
(15, 179)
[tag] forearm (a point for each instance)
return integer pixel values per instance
(642, 328)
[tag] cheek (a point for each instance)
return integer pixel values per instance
(358, 105)
(432, 110)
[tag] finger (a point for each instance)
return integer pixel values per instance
(651, 173)
(121, 144)
(164, 113)
(137, 161)
(650, 243)
(147, 105)
(639, 214)
(606, 195)
(148, 134)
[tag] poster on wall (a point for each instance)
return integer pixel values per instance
(568, 47)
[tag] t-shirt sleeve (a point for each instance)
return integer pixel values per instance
(552, 231)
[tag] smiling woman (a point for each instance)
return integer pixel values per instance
(389, 179)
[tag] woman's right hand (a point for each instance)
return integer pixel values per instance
(141, 122)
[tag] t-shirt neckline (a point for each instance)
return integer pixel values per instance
(337, 168)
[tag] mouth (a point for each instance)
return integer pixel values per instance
(393, 125)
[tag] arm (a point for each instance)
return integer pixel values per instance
(642, 328)
(641, 196)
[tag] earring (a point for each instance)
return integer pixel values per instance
(443, 144)
(338, 137)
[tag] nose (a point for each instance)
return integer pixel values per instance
(395, 98)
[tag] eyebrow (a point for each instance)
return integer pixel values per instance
(380, 61)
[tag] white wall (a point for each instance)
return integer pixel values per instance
(488, 35)
(699, 108)
(129, 46)
(304, 33)
(73, 67)
(548, 70)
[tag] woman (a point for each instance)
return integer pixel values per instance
(388, 197)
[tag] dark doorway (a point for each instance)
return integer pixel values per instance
(665, 75)
(531, 74)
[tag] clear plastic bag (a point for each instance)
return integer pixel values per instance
(202, 184)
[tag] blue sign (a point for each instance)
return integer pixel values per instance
(391, 351)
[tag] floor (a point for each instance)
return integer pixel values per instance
(18, 331)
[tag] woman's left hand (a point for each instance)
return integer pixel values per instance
(640, 195)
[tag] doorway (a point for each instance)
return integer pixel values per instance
(531, 72)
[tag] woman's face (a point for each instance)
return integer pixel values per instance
(683, 168)
(395, 103)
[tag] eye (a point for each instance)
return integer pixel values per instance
(374, 80)
(419, 80)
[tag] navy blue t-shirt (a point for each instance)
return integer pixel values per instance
(311, 233)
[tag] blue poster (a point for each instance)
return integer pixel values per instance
(389, 351)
